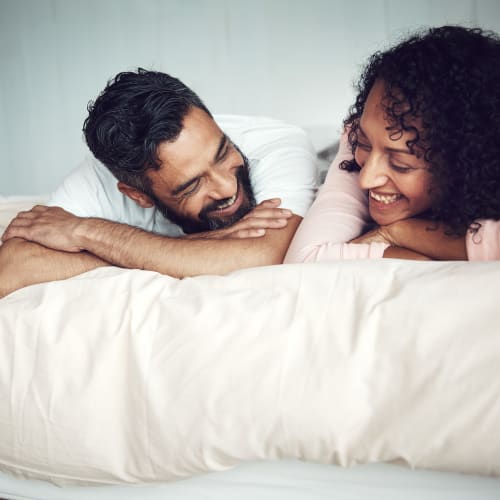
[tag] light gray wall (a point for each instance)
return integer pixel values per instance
(294, 60)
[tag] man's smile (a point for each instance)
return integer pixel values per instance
(227, 203)
(228, 206)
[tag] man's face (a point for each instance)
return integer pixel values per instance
(203, 182)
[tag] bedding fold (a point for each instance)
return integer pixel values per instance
(125, 376)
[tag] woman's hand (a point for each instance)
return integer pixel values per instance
(379, 234)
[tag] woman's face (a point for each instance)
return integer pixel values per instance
(398, 183)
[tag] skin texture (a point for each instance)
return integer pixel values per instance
(198, 170)
(341, 212)
(441, 100)
(398, 183)
(399, 187)
(442, 86)
(24, 263)
(126, 246)
(418, 239)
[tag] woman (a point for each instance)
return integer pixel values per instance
(419, 160)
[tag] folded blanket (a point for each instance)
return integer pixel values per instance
(128, 376)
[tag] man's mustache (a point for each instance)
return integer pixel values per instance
(215, 205)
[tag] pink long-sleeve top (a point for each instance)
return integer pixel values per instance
(340, 213)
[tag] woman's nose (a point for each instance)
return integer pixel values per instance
(373, 172)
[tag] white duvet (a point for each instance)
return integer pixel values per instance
(129, 376)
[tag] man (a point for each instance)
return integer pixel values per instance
(187, 200)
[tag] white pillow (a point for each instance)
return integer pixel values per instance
(128, 376)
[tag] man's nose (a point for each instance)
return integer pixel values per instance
(373, 172)
(223, 185)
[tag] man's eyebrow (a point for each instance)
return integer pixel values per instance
(217, 157)
(179, 189)
(222, 143)
(392, 150)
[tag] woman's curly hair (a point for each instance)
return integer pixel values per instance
(448, 80)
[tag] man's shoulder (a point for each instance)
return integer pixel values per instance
(89, 172)
(90, 190)
(260, 136)
(250, 123)
(92, 168)
(244, 120)
(82, 185)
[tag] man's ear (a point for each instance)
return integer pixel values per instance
(142, 199)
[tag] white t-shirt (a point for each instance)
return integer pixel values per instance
(282, 165)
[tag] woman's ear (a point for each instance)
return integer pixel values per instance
(142, 199)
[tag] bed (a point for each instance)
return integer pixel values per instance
(330, 380)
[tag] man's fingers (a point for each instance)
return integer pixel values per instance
(29, 215)
(271, 222)
(34, 212)
(13, 232)
(248, 233)
(24, 216)
(276, 213)
(48, 226)
(23, 224)
(269, 209)
(17, 228)
(271, 202)
(40, 208)
(260, 223)
(23, 221)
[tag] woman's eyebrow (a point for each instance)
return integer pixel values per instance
(361, 131)
(398, 150)
(392, 150)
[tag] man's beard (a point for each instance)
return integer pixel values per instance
(207, 220)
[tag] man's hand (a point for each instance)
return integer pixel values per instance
(55, 228)
(51, 227)
(266, 215)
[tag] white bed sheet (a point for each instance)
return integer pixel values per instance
(281, 480)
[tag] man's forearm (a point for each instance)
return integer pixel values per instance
(24, 263)
(130, 247)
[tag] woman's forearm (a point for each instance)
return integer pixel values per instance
(425, 238)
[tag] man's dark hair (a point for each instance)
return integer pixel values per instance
(446, 80)
(134, 114)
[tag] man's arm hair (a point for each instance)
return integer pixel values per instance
(24, 263)
(130, 247)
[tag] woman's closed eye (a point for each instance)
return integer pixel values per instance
(363, 146)
(400, 169)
